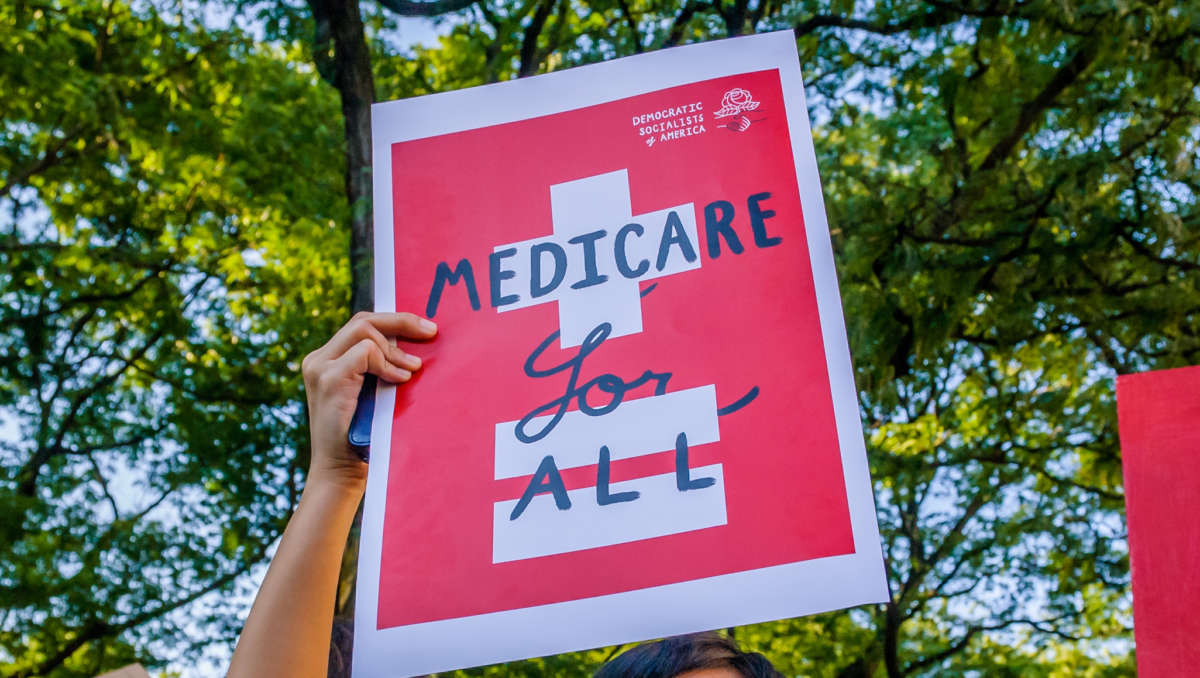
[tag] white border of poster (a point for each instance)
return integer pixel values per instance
(779, 592)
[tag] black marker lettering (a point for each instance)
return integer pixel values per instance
(497, 274)
(603, 497)
(739, 403)
(717, 227)
(673, 234)
(536, 288)
(443, 275)
(545, 479)
(608, 383)
(683, 474)
(622, 255)
(590, 275)
(758, 218)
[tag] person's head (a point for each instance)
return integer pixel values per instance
(713, 654)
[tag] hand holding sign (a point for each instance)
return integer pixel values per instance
(287, 633)
(333, 375)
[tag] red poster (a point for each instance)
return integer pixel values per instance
(638, 418)
(1160, 450)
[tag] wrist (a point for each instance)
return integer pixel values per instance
(338, 486)
(335, 467)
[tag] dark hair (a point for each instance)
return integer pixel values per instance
(341, 648)
(673, 656)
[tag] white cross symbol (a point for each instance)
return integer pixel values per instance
(582, 207)
(632, 248)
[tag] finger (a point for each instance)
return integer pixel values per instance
(392, 352)
(354, 331)
(374, 326)
(362, 358)
(405, 325)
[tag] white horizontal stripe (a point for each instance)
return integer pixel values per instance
(635, 428)
(543, 529)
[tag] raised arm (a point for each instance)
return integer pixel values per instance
(287, 632)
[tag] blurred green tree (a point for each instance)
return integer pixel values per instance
(1012, 188)
(167, 194)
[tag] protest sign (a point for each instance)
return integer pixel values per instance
(639, 417)
(1159, 416)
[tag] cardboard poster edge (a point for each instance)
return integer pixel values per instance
(778, 52)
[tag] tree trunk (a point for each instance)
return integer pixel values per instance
(340, 50)
(341, 55)
(891, 640)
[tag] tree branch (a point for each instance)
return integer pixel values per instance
(112, 502)
(411, 8)
(675, 33)
(734, 16)
(49, 159)
(932, 19)
(975, 630)
(632, 23)
(529, 41)
(27, 476)
(95, 630)
(1033, 110)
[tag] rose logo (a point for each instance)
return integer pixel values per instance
(733, 105)
(735, 101)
